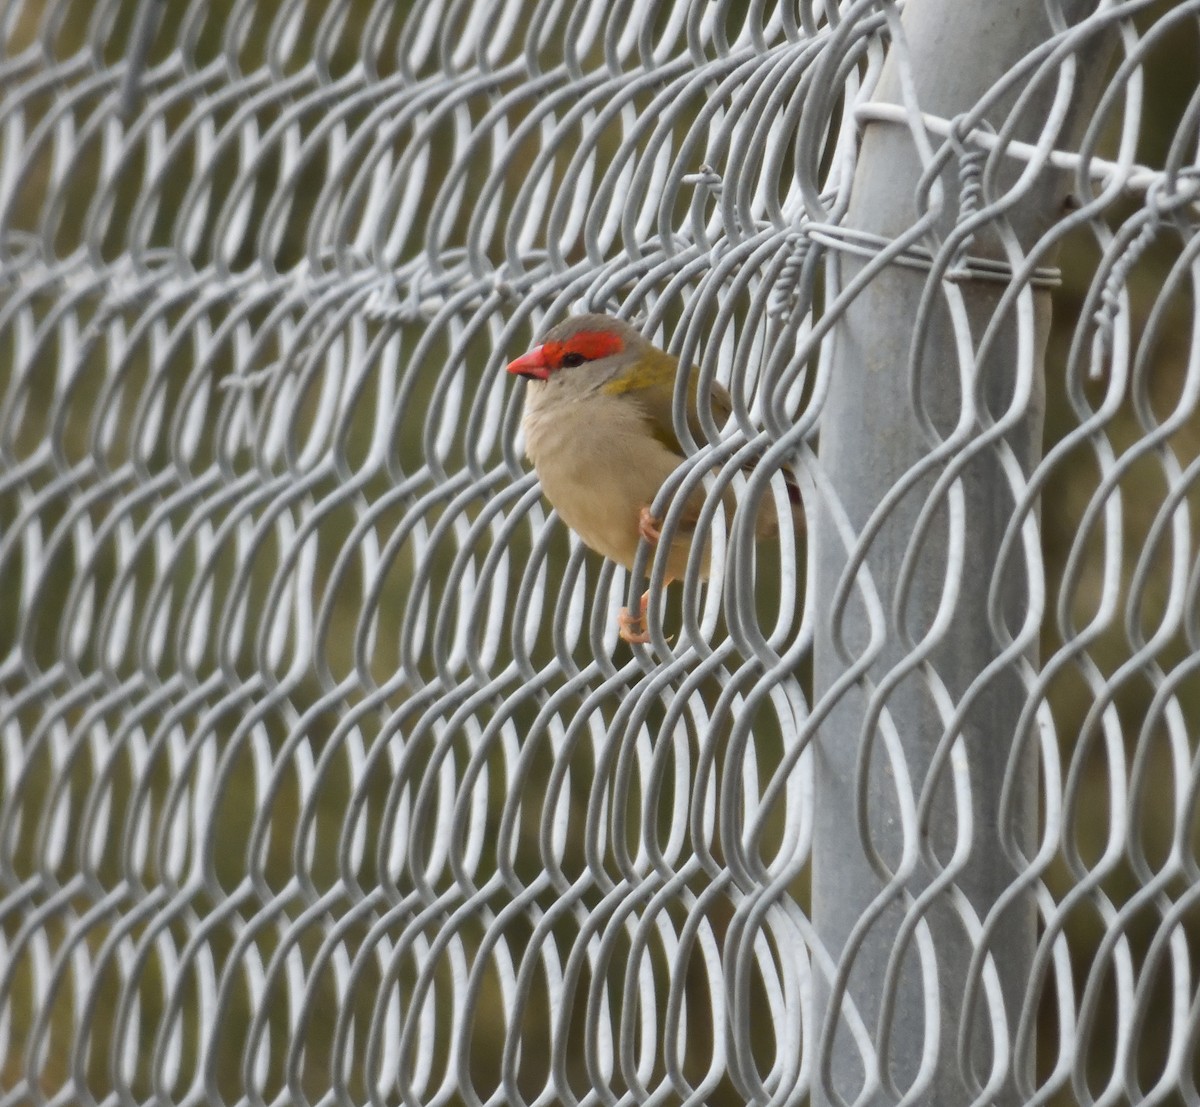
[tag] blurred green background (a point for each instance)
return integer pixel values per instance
(79, 436)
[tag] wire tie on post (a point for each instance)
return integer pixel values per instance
(971, 161)
(865, 244)
(706, 177)
(1105, 316)
(782, 301)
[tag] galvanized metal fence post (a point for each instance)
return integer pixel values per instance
(921, 821)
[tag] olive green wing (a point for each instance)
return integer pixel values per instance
(656, 402)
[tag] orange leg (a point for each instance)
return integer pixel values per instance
(649, 527)
(633, 627)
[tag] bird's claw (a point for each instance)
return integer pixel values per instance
(649, 527)
(633, 627)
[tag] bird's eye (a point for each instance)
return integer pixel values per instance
(569, 361)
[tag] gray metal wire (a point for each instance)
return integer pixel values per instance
(324, 776)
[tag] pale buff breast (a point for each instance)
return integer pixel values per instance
(599, 466)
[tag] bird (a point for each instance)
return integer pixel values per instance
(598, 429)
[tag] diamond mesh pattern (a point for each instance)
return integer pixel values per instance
(324, 775)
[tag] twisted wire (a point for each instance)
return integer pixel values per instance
(324, 776)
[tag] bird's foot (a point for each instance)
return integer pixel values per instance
(633, 627)
(649, 527)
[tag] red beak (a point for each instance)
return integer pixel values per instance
(534, 365)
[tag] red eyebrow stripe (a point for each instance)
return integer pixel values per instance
(589, 344)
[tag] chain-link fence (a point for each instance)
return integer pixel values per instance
(325, 776)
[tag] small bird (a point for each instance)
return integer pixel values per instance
(599, 432)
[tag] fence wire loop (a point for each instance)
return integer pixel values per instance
(324, 774)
